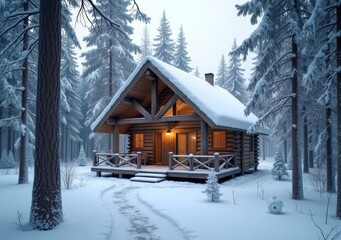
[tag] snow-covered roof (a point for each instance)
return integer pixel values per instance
(215, 103)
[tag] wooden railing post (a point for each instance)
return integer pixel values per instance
(94, 158)
(191, 161)
(216, 162)
(170, 160)
(138, 160)
(116, 159)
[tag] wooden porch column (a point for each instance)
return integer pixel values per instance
(115, 139)
(154, 106)
(138, 165)
(242, 153)
(216, 162)
(170, 160)
(94, 158)
(204, 138)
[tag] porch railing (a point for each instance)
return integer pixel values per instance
(117, 159)
(192, 162)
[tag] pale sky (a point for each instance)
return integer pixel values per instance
(209, 27)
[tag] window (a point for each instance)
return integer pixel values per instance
(138, 140)
(218, 139)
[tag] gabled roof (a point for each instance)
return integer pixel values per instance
(218, 107)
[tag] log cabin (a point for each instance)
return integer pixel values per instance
(178, 125)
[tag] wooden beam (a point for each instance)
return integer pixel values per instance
(115, 139)
(204, 138)
(138, 107)
(143, 120)
(154, 106)
(165, 108)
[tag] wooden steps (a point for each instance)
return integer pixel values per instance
(149, 177)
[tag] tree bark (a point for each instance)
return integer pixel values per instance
(329, 161)
(297, 185)
(23, 161)
(305, 145)
(338, 97)
(46, 208)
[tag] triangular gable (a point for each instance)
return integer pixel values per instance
(213, 104)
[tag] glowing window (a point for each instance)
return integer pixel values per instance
(138, 140)
(218, 139)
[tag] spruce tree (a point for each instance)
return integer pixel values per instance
(222, 73)
(212, 187)
(235, 81)
(146, 44)
(279, 169)
(196, 72)
(81, 157)
(181, 58)
(164, 45)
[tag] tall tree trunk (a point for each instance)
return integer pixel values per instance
(46, 208)
(338, 97)
(329, 160)
(305, 144)
(311, 151)
(23, 161)
(297, 185)
(285, 144)
(1, 145)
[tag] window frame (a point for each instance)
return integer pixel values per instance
(222, 140)
(138, 143)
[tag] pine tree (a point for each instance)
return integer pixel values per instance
(196, 72)
(212, 187)
(278, 34)
(235, 81)
(279, 169)
(82, 157)
(116, 62)
(146, 44)
(181, 58)
(70, 113)
(222, 73)
(164, 45)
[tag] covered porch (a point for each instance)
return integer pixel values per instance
(179, 166)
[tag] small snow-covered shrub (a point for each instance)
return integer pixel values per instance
(68, 173)
(82, 157)
(318, 179)
(7, 161)
(279, 169)
(212, 187)
(275, 205)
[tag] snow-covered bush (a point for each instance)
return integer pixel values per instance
(318, 178)
(275, 205)
(279, 169)
(212, 187)
(82, 157)
(68, 173)
(7, 161)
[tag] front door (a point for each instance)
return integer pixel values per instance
(163, 145)
(186, 143)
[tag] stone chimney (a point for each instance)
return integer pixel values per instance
(209, 77)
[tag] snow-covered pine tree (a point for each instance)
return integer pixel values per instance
(181, 58)
(235, 81)
(319, 79)
(279, 168)
(81, 161)
(212, 187)
(196, 72)
(70, 114)
(276, 74)
(221, 79)
(164, 45)
(115, 63)
(146, 44)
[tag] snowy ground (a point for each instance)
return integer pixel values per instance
(111, 208)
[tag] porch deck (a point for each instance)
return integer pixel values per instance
(176, 173)
(180, 166)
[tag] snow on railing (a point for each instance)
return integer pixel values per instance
(192, 162)
(117, 159)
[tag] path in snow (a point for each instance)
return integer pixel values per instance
(132, 218)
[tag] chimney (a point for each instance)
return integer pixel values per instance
(209, 77)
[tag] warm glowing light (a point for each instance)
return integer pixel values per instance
(168, 132)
